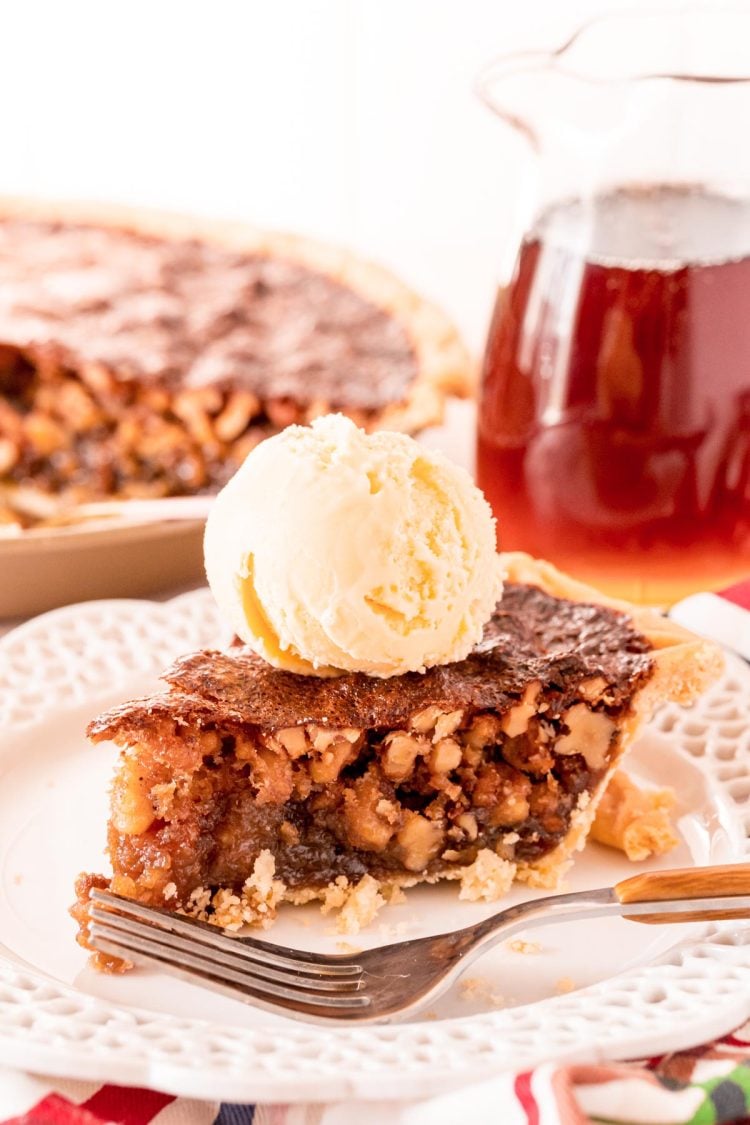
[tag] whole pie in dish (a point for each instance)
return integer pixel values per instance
(241, 785)
(146, 355)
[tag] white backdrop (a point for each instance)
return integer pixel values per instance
(350, 119)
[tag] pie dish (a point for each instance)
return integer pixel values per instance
(146, 354)
(242, 786)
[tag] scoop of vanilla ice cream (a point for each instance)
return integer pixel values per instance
(335, 550)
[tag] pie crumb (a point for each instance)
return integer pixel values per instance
(488, 878)
(254, 906)
(635, 821)
(519, 946)
(357, 905)
(564, 985)
(479, 990)
(335, 894)
(169, 891)
(347, 947)
(393, 894)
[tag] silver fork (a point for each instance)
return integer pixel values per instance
(395, 980)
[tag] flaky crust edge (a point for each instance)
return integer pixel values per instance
(444, 364)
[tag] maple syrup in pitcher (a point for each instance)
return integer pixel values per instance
(614, 421)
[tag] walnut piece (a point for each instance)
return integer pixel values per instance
(590, 734)
(401, 752)
(368, 817)
(419, 841)
(516, 721)
(503, 792)
(445, 756)
(132, 811)
(293, 739)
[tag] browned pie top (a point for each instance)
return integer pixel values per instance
(532, 636)
(190, 313)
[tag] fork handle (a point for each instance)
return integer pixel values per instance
(687, 883)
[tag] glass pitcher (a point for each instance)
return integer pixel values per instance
(614, 417)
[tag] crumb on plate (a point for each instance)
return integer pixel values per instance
(636, 821)
(519, 946)
(488, 878)
(564, 985)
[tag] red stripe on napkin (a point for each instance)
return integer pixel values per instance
(125, 1105)
(527, 1101)
(734, 1041)
(110, 1104)
(55, 1110)
(738, 595)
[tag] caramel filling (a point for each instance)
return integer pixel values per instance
(329, 801)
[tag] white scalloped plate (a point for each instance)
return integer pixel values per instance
(636, 989)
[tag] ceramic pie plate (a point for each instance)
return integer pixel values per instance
(46, 568)
(609, 989)
(43, 569)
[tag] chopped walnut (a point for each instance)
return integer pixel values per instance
(324, 737)
(401, 752)
(484, 731)
(515, 721)
(293, 739)
(445, 756)
(329, 765)
(502, 792)
(424, 721)
(447, 724)
(272, 776)
(467, 822)
(593, 689)
(368, 817)
(590, 734)
(529, 753)
(419, 841)
(132, 811)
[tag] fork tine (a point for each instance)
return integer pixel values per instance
(177, 943)
(229, 979)
(262, 952)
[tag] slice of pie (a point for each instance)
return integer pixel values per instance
(242, 785)
(144, 354)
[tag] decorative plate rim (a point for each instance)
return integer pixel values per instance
(699, 988)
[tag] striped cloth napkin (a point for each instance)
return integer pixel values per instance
(709, 1085)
